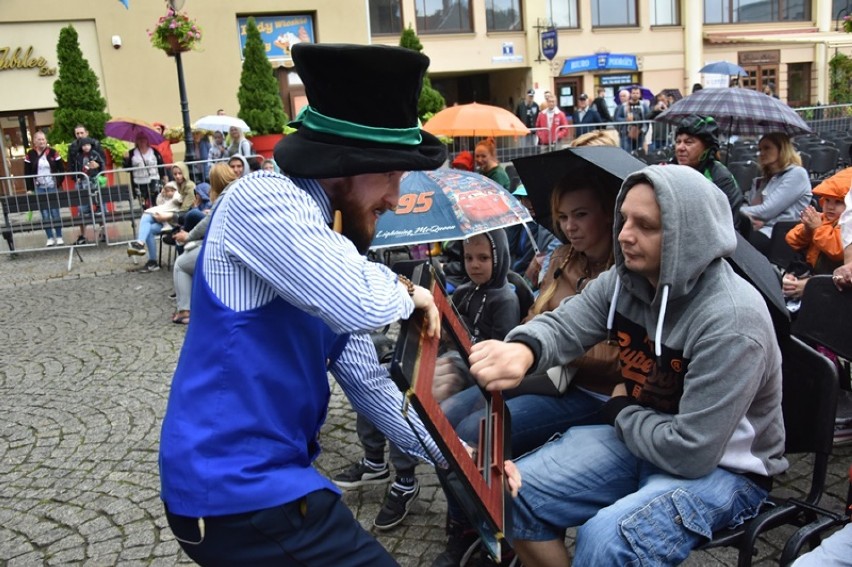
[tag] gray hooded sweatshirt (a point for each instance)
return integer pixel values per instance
(698, 353)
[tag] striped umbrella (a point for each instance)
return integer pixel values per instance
(743, 112)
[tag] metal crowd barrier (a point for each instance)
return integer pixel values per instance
(28, 215)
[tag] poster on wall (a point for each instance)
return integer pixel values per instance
(279, 33)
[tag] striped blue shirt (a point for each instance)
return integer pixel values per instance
(270, 237)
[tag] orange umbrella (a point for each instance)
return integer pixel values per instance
(475, 120)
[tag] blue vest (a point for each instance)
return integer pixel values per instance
(248, 399)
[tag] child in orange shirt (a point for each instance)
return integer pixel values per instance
(819, 235)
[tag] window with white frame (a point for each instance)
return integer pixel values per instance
(746, 11)
(385, 17)
(665, 12)
(443, 16)
(503, 15)
(563, 13)
(613, 13)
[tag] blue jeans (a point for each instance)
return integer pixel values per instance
(534, 419)
(317, 529)
(630, 512)
(148, 231)
(50, 217)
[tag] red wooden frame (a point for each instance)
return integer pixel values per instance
(482, 480)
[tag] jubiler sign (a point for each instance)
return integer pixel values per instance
(20, 59)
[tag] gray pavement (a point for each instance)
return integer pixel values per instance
(85, 367)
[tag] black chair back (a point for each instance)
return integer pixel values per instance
(526, 298)
(825, 317)
(780, 253)
(823, 159)
(744, 172)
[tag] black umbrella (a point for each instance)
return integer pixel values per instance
(755, 268)
(541, 173)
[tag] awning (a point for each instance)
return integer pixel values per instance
(830, 39)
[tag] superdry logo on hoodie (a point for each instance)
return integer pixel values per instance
(654, 384)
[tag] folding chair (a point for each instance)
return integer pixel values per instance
(809, 402)
(780, 253)
(825, 318)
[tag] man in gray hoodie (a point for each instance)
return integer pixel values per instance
(690, 441)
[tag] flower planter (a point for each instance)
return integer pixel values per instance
(175, 46)
(265, 143)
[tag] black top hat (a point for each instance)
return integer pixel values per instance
(362, 113)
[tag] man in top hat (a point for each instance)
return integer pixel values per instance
(279, 300)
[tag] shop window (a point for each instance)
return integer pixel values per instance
(503, 15)
(746, 11)
(665, 13)
(385, 17)
(443, 16)
(799, 84)
(563, 13)
(613, 13)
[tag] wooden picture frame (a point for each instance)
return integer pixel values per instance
(478, 485)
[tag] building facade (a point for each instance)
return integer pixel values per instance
(481, 50)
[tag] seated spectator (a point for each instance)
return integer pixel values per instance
(842, 276)
(549, 402)
(696, 146)
(88, 162)
(485, 157)
(239, 165)
(221, 177)
(268, 165)
(819, 236)
(153, 220)
(696, 423)
(152, 223)
(781, 194)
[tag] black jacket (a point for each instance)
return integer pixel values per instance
(31, 166)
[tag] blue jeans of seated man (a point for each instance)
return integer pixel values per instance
(630, 512)
(148, 231)
(534, 419)
(50, 217)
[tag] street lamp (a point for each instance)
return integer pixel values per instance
(184, 102)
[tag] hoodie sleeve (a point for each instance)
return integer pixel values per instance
(720, 385)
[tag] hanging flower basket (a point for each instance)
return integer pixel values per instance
(175, 33)
(847, 24)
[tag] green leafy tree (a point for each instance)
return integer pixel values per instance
(840, 91)
(260, 103)
(431, 101)
(78, 96)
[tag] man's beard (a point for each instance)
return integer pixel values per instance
(358, 225)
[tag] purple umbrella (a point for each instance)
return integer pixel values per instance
(743, 112)
(129, 129)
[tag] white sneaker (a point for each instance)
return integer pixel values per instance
(50, 242)
(59, 241)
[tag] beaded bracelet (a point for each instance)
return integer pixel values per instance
(409, 285)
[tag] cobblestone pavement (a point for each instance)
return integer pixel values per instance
(84, 374)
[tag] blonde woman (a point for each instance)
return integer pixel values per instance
(221, 177)
(782, 193)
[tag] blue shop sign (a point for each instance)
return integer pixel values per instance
(279, 33)
(599, 62)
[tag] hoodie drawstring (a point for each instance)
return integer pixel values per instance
(658, 335)
(610, 318)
